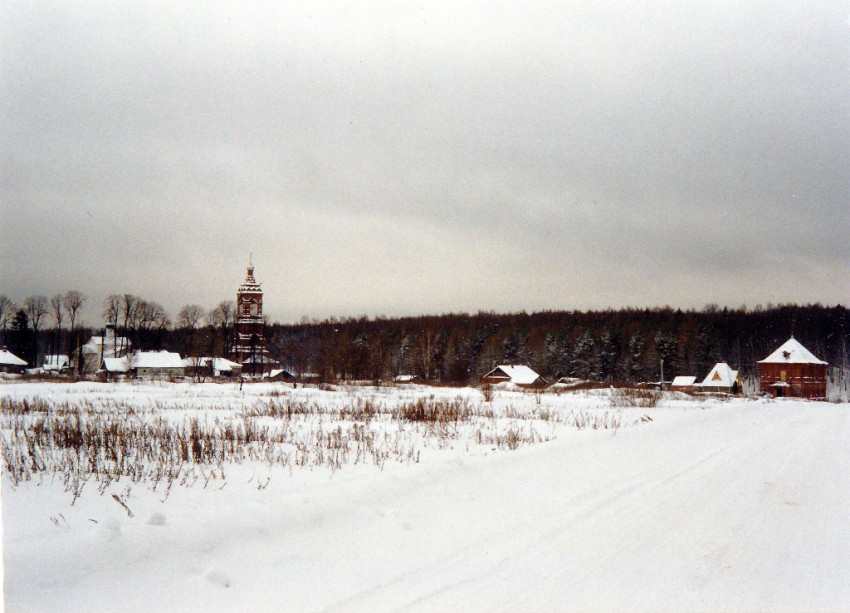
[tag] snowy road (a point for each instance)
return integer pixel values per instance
(742, 506)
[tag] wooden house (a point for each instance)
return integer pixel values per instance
(792, 370)
(56, 363)
(518, 374)
(721, 380)
(11, 363)
(156, 364)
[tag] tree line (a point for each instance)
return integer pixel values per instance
(625, 345)
(613, 345)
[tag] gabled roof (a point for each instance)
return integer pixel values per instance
(517, 373)
(279, 372)
(792, 352)
(720, 376)
(219, 364)
(56, 362)
(683, 380)
(156, 359)
(10, 359)
(116, 364)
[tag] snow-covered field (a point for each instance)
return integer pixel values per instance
(419, 498)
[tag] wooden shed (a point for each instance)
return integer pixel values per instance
(793, 371)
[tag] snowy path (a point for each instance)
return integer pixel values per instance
(741, 507)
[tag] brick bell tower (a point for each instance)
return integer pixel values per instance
(249, 344)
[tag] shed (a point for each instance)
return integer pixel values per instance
(793, 370)
(518, 374)
(279, 374)
(683, 383)
(408, 379)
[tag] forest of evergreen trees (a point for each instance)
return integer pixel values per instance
(623, 345)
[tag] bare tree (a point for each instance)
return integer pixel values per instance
(188, 318)
(73, 301)
(222, 318)
(58, 312)
(128, 312)
(112, 309)
(149, 316)
(36, 308)
(7, 312)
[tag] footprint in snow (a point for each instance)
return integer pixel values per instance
(156, 519)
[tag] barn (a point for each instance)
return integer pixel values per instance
(792, 370)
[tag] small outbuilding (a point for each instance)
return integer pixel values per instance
(280, 374)
(721, 380)
(518, 374)
(792, 370)
(11, 363)
(683, 383)
(408, 379)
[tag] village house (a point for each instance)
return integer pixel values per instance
(11, 363)
(518, 374)
(113, 368)
(721, 380)
(56, 363)
(211, 367)
(155, 364)
(793, 370)
(98, 348)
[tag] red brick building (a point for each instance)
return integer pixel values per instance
(793, 371)
(249, 343)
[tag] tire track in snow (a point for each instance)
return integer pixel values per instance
(561, 548)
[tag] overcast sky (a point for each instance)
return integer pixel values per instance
(393, 158)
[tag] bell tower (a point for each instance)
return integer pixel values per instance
(249, 345)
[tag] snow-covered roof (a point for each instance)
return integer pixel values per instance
(792, 352)
(683, 380)
(260, 359)
(277, 372)
(217, 363)
(156, 359)
(56, 362)
(720, 376)
(116, 364)
(518, 374)
(8, 358)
